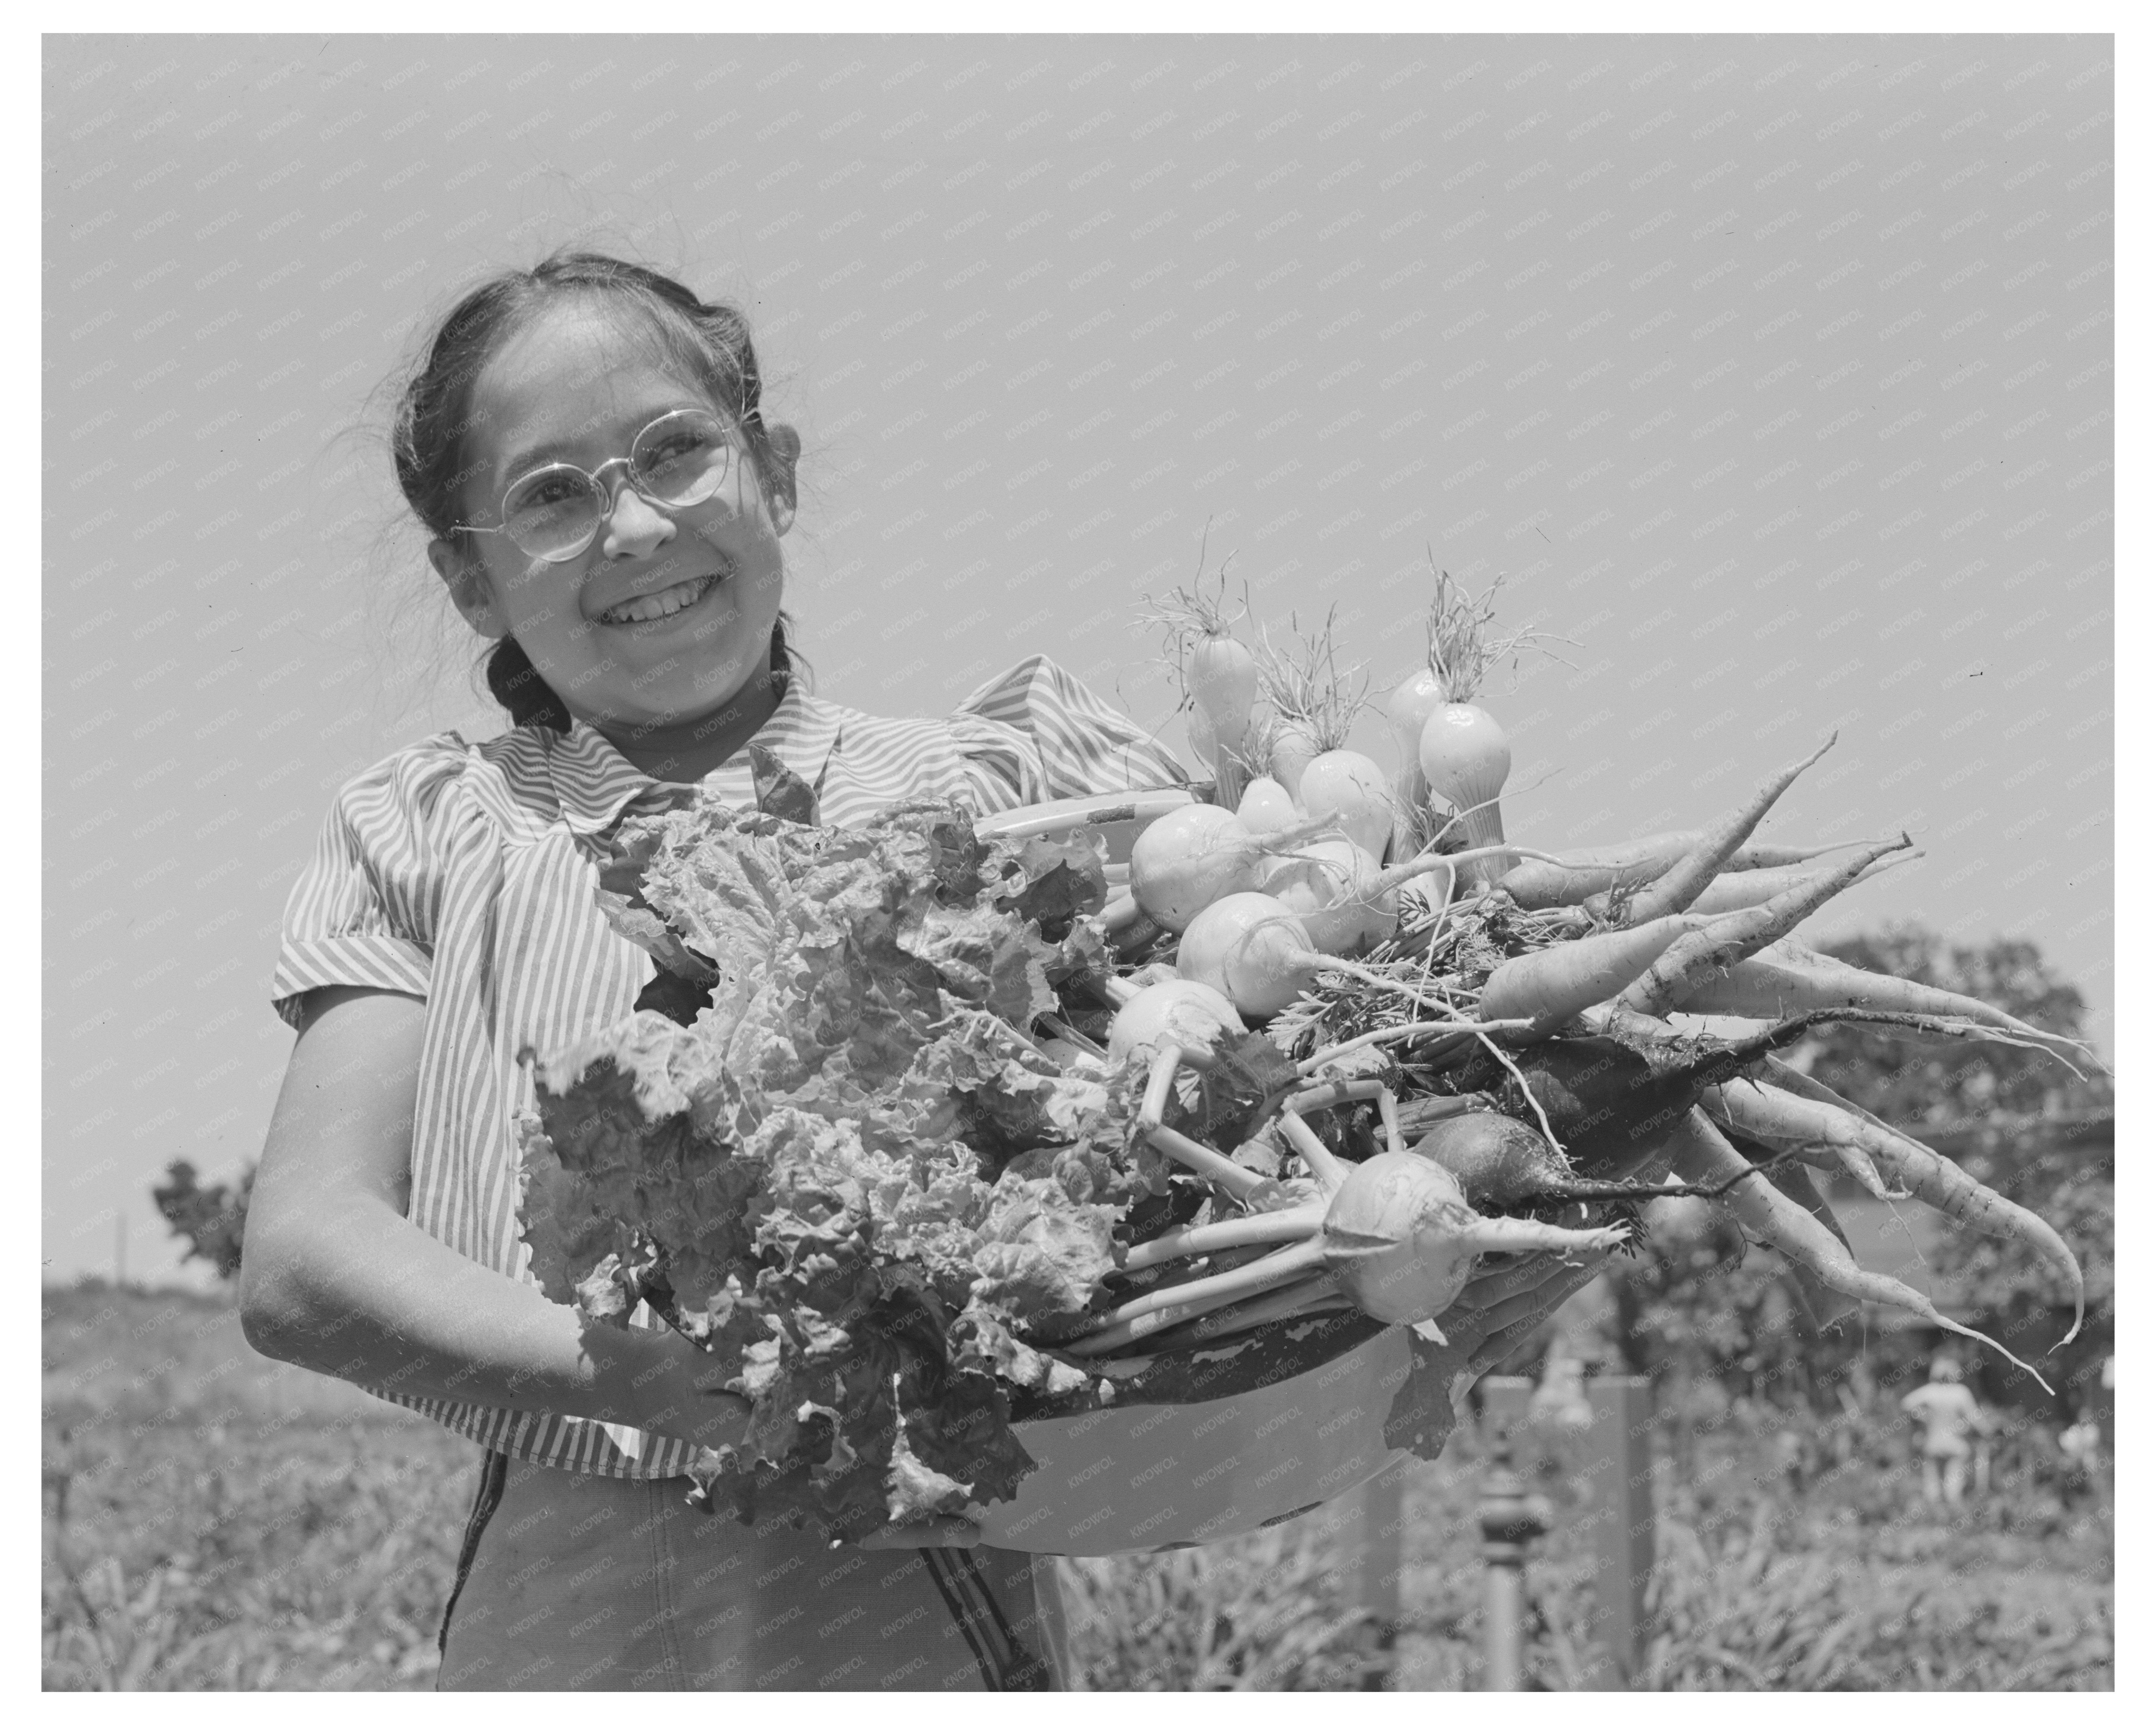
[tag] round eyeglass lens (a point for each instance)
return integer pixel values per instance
(681, 458)
(552, 512)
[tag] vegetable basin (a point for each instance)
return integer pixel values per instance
(1140, 1478)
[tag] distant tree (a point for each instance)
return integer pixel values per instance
(212, 1219)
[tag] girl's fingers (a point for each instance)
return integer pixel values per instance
(941, 1531)
(1509, 1325)
(1512, 1280)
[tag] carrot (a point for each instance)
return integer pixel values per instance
(1829, 1306)
(1553, 982)
(1741, 890)
(1702, 1155)
(1547, 884)
(1785, 977)
(1685, 879)
(1691, 961)
(1779, 1115)
(1829, 1154)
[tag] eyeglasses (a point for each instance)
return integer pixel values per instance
(554, 512)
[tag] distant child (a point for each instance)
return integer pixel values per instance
(1949, 1416)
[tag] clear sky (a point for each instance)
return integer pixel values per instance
(1773, 373)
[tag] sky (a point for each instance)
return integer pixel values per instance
(1774, 374)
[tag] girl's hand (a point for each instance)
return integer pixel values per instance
(939, 1531)
(1495, 1314)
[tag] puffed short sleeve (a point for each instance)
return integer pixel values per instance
(998, 764)
(1080, 746)
(364, 912)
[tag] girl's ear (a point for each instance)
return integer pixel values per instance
(468, 589)
(780, 498)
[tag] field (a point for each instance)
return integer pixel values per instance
(214, 1520)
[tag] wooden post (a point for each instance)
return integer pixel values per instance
(1510, 1519)
(1381, 1566)
(1621, 1466)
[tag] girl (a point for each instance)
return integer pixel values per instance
(585, 445)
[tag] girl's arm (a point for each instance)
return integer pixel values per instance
(336, 1279)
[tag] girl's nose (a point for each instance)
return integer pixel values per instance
(633, 528)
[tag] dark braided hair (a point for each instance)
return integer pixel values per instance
(710, 342)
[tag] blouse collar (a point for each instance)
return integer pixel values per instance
(595, 783)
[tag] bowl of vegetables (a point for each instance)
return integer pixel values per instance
(1117, 1212)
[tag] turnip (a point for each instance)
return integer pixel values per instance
(1190, 1015)
(1401, 1240)
(1466, 758)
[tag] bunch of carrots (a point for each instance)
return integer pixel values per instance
(1487, 1034)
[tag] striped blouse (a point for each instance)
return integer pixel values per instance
(465, 873)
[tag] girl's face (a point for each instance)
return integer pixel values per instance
(574, 385)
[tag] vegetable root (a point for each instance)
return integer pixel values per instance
(1556, 982)
(1688, 962)
(1701, 1153)
(1688, 878)
(1786, 978)
(1774, 1116)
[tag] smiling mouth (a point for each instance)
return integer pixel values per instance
(651, 607)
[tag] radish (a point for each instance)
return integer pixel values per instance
(1466, 757)
(1295, 746)
(1185, 859)
(1252, 948)
(1205, 741)
(1266, 808)
(1334, 885)
(1351, 789)
(1408, 709)
(1219, 676)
